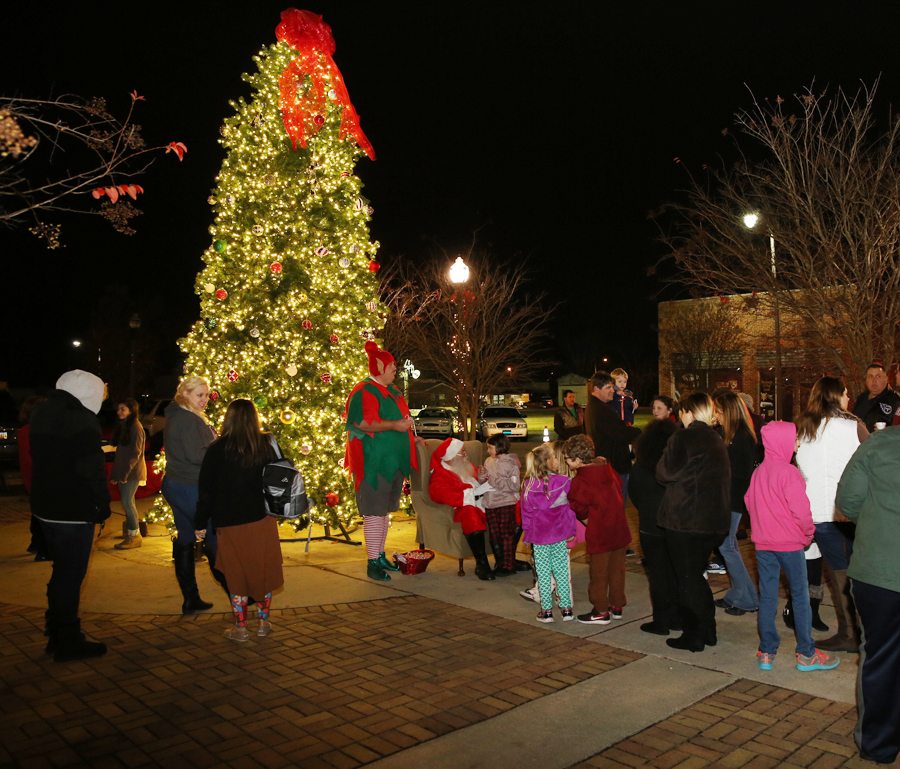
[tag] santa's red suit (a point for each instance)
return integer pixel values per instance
(453, 482)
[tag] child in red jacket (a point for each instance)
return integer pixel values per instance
(596, 496)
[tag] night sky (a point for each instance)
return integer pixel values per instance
(549, 128)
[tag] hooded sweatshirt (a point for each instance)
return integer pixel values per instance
(780, 517)
(68, 470)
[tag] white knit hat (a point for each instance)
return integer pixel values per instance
(84, 386)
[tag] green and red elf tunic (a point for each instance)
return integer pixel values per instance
(377, 457)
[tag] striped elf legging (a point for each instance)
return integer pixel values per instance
(553, 560)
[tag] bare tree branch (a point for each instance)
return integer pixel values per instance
(86, 153)
(827, 189)
(467, 334)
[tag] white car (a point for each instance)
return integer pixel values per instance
(436, 422)
(502, 419)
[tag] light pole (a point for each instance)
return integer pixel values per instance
(459, 345)
(459, 271)
(134, 324)
(750, 221)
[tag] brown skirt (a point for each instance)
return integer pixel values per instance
(249, 556)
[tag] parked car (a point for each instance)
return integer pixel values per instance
(502, 419)
(540, 403)
(436, 422)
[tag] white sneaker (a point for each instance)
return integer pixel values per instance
(531, 594)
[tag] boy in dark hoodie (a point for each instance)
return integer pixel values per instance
(782, 528)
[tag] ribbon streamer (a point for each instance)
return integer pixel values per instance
(303, 111)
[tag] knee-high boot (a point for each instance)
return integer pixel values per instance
(187, 580)
(847, 637)
(482, 567)
(520, 565)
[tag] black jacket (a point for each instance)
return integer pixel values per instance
(68, 470)
(742, 454)
(643, 488)
(611, 435)
(696, 473)
(878, 409)
(230, 493)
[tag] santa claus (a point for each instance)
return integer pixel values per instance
(454, 482)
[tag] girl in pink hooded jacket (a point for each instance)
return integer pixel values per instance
(782, 528)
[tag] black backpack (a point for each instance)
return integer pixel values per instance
(284, 489)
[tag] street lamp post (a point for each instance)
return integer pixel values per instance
(750, 222)
(134, 324)
(459, 274)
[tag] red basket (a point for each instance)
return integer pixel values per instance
(414, 562)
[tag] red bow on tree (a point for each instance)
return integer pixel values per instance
(303, 112)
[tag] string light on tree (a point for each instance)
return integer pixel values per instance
(286, 217)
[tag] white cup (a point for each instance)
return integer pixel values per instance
(880, 425)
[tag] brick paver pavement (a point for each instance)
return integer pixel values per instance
(334, 686)
(747, 724)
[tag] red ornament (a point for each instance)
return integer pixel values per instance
(333, 339)
(319, 120)
(345, 174)
(724, 299)
(306, 324)
(332, 498)
(374, 266)
(233, 376)
(221, 294)
(276, 267)
(326, 378)
(214, 395)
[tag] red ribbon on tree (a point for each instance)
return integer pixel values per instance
(303, 112)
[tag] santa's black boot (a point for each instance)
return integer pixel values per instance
(482, 567)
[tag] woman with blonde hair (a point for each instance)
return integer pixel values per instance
(186, 437)
(695, 514)
(740, 438)
(828, 435)
(231, 501)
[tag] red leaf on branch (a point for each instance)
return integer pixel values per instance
(135, 96)
(98, 193)
(113, 193)
(179, 148)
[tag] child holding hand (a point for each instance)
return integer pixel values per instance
(548, 522)
(501, 470)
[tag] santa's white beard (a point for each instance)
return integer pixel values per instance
(462, 467)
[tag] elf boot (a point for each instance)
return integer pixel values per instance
(385, 564)
(187, 581)
(375, 571)
(482, 567)
(847, 638)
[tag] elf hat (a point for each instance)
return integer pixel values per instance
(379, 359)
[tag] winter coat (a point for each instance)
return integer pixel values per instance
(780, 518)
(129, 464)
(186, 438)
(881, 408)
(869, 493)
(643, 488)
(596, 496)
(822, 462)
(230, 493)
(502, 472)
(68, 469)
(546, 515)
(742, 454)
(611, 436)
(695, 470)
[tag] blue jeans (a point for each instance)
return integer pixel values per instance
(182, 498)
(835, 546)
(770, 565)
(624, 478)
(743, 592)
(127, 491)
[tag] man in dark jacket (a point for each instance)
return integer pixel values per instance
(879, 401)
(569, 417)
(612, 437)
(69, 498)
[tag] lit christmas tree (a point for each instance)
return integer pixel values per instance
(289, 293)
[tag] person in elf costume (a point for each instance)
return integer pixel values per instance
(380, 453)
(454, 482)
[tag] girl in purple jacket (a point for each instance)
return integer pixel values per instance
(782, 528)
(548, 522)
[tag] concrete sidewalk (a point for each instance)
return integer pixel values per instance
(429, 669)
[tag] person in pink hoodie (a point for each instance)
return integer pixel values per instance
(782, 528)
